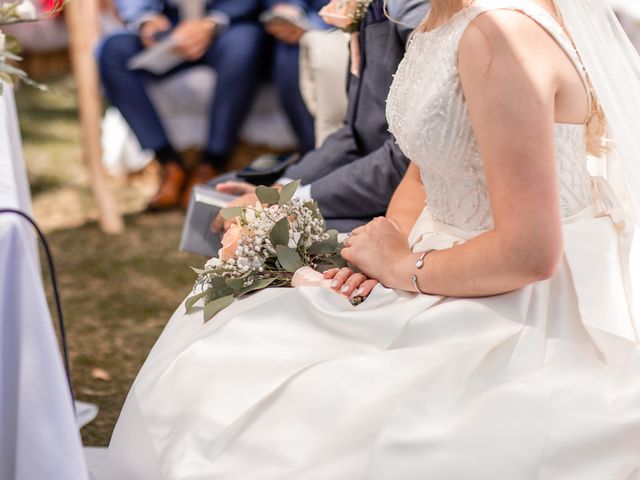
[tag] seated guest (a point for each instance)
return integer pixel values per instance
(355, 172)
(228, 38)
(304, 15)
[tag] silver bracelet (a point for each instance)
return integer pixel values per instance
(419, 265)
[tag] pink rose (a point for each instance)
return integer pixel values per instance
(230, 242)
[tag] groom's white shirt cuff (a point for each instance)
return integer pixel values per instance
(303, 192)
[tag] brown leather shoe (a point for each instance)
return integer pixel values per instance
(172, 181)
(203, 173)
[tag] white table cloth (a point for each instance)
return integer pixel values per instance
(39, 438)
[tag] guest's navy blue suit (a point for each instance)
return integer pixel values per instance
(235, 55)
(287, 79)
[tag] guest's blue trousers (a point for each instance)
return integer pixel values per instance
(286, 68)
(236, 57)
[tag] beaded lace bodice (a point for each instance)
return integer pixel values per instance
(428, 116)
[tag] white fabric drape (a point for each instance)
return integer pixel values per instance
(39, 438)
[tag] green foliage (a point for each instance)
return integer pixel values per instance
(267, 195)
(212, 308)
(257, 285)
(230, 213)
(193, 299)
(289, 258)
(288, 191)
(280, 233)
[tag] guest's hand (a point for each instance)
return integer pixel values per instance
(244, 190)
(150, 28)
(350, 284)
(221, 224)
(284, 31)
(193, 38)
(235, 188)
(376, 248)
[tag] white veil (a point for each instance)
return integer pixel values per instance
(613, 65)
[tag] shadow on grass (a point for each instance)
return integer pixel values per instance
(118, 292)
(44, 183)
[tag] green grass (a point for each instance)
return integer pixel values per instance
(118, 292)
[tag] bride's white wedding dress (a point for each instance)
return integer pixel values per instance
(297, 384)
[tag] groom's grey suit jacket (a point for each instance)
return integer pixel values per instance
(357, 169)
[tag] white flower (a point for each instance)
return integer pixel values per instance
(213, 263)
(27, 10)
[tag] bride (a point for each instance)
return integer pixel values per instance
(503, 341)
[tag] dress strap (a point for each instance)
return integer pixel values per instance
(543, 18)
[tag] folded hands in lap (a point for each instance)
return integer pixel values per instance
(192, 37)
(152, 27)
(349, 283)
(284, 31)
(376, 248)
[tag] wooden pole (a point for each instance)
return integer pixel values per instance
(82, 22)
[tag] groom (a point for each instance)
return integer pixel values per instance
(355, 172)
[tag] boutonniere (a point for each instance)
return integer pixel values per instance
(346, 15)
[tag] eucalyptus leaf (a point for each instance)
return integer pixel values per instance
(230, 213)
(211, 309)
(235, 283)
(289, 258)
(337, 261)
(217, 282)
(324, 247)
(267, 195)
(220, 291)
(193, 299)
(288, 191)
(279, 234)
(257, 285)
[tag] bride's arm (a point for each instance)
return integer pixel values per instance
(508, 69)
(408, 200)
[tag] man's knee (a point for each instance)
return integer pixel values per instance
(238, 49)
(116, 50)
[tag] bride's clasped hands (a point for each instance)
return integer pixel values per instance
(380, 250)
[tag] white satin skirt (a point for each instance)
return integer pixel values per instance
(297, 384)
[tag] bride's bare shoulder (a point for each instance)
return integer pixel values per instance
(504, 36)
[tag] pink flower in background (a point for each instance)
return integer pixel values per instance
(230, 242)
(50, 5)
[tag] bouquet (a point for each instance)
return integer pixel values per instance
(270, 243)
